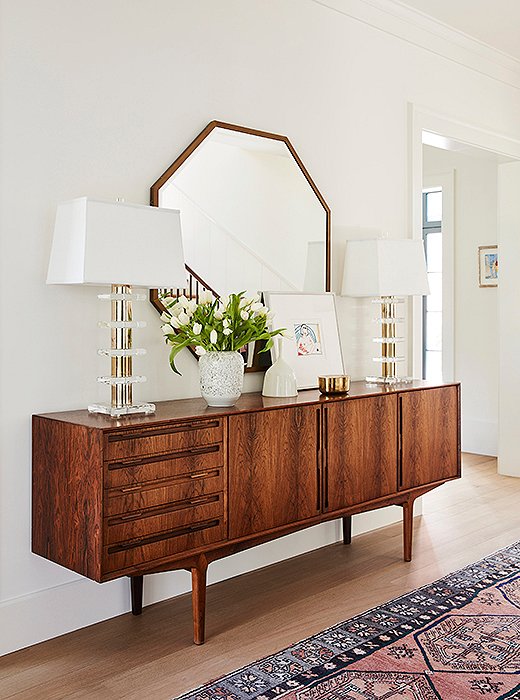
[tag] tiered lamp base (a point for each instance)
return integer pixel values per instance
(121, 352)
(388, 340)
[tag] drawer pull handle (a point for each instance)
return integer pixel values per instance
(165, 509)
(131, 516)
(142, 541)
(136, 435)
(201, 499)
(165, 482)
(201, 450)
(165, 457)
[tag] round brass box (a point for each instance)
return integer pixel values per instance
(334, 384)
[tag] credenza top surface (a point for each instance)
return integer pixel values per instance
(196, 408)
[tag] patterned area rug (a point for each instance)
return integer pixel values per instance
(457, 638)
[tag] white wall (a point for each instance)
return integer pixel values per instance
(99, 99)
(476, 359)
(509, 318)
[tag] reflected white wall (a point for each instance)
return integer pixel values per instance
(248, 217)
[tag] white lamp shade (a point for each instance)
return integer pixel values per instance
(116, 243)
(384, 267)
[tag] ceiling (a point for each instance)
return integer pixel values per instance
(495, 23)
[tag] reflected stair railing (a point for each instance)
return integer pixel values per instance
(195, 285)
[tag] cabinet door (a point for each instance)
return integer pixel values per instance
(430, 430)
(273, 469)
(361, 450)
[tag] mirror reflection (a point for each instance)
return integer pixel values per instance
(251, 217)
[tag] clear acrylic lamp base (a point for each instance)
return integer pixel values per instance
(389, 380)
(116, 411)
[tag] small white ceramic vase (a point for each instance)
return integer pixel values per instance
(221, 377)
(280, 379)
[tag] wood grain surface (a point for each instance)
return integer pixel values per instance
(185, 464)
(361, 451)
(177, 436)
(189, 409)
(163, 518)
(180, 492)
(430, 434)
(67, 496)
(139, 554)
(273, 469)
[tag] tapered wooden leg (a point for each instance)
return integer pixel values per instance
(347, 529)
(198, 598)
(408, 529)
(136, 588)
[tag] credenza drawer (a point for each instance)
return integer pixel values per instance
(130, 498)
(139, 524)
(191, 463)
(131, 443)
(180, 540)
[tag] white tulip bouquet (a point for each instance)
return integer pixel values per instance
(213, 324)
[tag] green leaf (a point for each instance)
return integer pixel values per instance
(174, 352)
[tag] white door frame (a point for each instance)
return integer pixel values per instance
(423, 119)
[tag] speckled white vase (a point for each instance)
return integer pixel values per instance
(221, 377)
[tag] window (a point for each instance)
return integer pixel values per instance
(432, 304)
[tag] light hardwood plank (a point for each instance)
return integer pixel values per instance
(152, 656)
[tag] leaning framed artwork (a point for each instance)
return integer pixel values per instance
(314, 347)
(488, 266)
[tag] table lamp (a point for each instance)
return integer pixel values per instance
(120, 244)
(387, 270)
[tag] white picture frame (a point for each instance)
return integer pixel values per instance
(488, 266)
(314, 348)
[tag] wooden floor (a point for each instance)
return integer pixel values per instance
(151, 657)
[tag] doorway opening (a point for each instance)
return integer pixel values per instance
(455, 221)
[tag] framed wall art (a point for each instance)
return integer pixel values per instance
(314, 347)
(488, 266)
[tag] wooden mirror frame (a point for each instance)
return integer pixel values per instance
(195, 283)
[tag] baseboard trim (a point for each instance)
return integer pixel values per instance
(53, 612)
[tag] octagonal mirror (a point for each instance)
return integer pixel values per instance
(252, 217)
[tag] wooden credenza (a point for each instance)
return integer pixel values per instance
(191, 484)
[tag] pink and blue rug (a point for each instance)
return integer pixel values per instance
(457, 638)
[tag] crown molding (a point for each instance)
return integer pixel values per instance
(416, 28)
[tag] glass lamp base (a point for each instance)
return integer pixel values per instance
(389, 380)
(117, 411)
